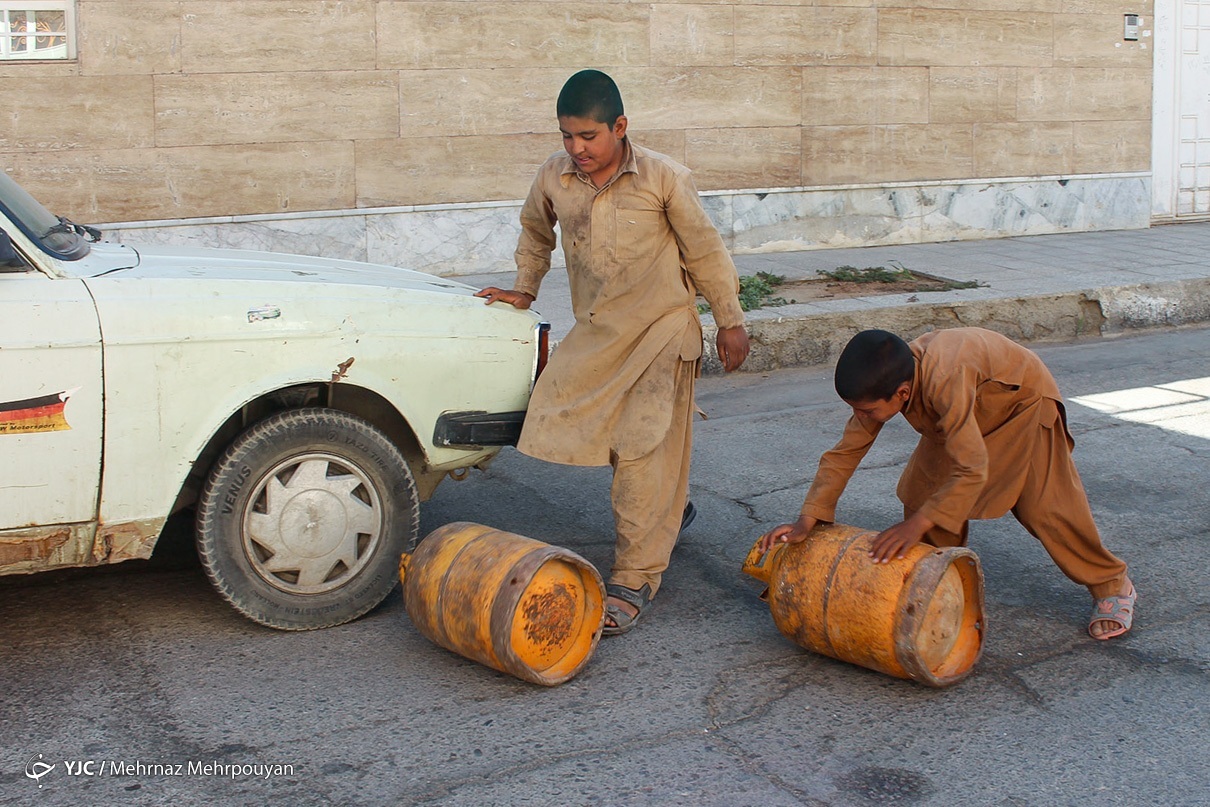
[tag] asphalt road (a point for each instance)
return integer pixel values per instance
(705, 703)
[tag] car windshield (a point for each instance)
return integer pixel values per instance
(56, 235)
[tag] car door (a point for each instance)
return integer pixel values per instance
(50, 420)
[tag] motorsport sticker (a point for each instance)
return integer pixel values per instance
(34, 415)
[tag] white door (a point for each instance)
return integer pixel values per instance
(50, 403)
(1181, 121)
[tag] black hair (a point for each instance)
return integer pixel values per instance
(590, 94)
(872, 366)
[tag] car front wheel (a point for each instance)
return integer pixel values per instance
(304, 518)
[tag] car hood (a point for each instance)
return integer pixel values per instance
(160, 262)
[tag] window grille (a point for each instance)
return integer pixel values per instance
(37, 30)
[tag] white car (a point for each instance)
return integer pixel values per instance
(304, 406)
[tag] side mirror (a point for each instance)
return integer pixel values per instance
(10, 259)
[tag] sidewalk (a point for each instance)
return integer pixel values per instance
(1041, 287)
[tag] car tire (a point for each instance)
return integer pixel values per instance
(303, 519)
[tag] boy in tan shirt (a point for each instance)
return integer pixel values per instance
(619, 389)
(993, 438)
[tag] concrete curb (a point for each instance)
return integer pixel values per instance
(783, 338)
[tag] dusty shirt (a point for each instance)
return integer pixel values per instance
(977, 401)
(637, 252)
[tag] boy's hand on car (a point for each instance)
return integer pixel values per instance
(732, 346)
(517, 299)
(897, 540)
(788, 533)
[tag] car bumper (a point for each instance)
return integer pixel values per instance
(478, 429)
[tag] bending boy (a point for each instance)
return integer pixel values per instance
(993, 438)
(619, 389)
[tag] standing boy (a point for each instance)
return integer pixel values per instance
(619, 389)
(993, 438)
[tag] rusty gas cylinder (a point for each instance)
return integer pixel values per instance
(517, 605)
(918, 617)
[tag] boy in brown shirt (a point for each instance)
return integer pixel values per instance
(993, 438)
(619, 389)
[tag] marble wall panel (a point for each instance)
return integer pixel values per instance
(26, 70)
(459, 102)
(77, 112)
(1083, 93)
(687, 35)
(276, 107)
(436, 170)
(764, 2)
(1111, 146)
(250, 36)
(1003, 210)
(711, 97)
(670, 142)
(971, 94)
(898, 153)
(803, 35)
(942, 37)
(1143, 7)
(200, 181)
(1038, 207)
(745, 158)
(1036, 6)
(131, 36)
(342, 237)
(836, 96)
(857, 217)
(446, 35)
(1115, 203)
(480, 238)
(831, 3)
(935, 151)
(817, 219)
(833, 155)
(1095, 40)
(448, 242)
(964, 88)
(1023, 149)
(505, 101)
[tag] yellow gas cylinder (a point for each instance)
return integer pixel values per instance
(517, 605)
(919, 617)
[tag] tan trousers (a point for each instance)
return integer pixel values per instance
(649, 495)
(1053, 507)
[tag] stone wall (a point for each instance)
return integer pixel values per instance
(339, 126)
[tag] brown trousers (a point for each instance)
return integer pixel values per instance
(1053, 507)
(649, 495)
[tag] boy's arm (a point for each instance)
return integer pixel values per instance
(836, 467)
(534, 246)
(703, 252)
(954, 402)
(953, 399)
(537, 239)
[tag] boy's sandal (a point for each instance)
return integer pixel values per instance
(686, 519)
(623, 621)
(1113, 609)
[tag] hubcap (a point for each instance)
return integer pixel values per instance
(312, 523)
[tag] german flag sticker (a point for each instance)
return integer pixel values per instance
(34, 415)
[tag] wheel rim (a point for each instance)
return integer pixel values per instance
(312, 524)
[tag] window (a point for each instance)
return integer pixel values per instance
(37, 29)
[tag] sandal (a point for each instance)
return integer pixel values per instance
(1113, 609)
(686, 519)
(623, 621)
